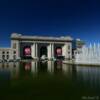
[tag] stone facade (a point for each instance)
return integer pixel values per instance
(35, 43)
(7, 53)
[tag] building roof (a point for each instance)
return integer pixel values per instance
(23, 37)
(6, 49)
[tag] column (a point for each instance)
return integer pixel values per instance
(33, 51)
(64, 51)
(52, 50)
(49, 51)
(70, 50)
(36, 51)
(18, 50)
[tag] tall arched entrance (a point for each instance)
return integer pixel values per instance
(43, 51)
(27, 52)
(58, 51)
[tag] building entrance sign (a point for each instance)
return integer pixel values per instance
(27, 51)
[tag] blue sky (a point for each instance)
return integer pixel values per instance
(77, 18)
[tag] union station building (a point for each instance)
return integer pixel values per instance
(33, 47)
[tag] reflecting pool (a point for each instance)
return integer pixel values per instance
(48, 81)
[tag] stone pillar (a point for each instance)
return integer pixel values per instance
(18, 44)
(49, 50)
(33, 51)
(36, 51)
(70, 50)
(64, 51)
(52, 50)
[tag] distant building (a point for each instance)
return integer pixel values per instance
(7, 53)
(77, 45)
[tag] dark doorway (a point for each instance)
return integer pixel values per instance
(43, 51)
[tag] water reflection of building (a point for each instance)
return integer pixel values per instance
(54, 67)
(67, 69)
(50, 66)
(34, 68)
(88, 76)
(12, 68)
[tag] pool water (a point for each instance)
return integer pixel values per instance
(48, 81)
